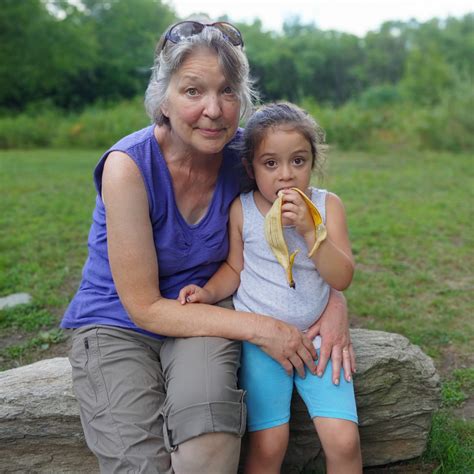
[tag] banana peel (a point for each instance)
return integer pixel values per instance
(276, 239)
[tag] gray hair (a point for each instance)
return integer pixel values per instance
(169, 59)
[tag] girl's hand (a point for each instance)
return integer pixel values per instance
(294, 211)
(194, 294)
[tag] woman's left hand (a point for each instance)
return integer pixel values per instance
(333, 327)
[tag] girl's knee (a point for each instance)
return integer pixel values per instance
(269, 445)
(340, 438)
(344, 446)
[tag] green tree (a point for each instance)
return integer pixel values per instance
(40, 53)
(427, 76)
(127, 33)
(385, 54)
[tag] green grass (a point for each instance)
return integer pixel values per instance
(410, 219)
(45, 212)
(451, 444)
(46, 207)
(455, 390)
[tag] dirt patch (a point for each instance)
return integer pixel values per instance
(11, 338)
(452, 359)
(466, 410)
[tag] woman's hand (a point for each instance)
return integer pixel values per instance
(333, 327)
(194, 294)
(286, 344)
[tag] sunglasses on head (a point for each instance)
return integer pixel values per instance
(186, 29)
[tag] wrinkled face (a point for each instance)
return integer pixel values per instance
(202, 107)
(282, 160)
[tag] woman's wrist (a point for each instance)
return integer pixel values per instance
(257, 328)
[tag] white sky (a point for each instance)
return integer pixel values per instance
(356, 16)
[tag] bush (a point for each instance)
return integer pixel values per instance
(27, 131)
(380, 118)
(377, 120)
(101, 126)
(97, 126)
(450, 125)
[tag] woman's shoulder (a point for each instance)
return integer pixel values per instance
(133, 140)
(124, 151)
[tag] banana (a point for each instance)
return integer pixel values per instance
(276, 239)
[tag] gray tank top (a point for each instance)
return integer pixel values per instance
(263, 287)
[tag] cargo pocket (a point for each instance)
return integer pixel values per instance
(88, 382)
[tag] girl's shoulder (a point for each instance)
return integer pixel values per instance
(245, 198)
(315, 190)
(318, 193)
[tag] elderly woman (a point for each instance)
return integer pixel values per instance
(156, 380)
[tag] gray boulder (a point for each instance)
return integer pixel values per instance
(397, 390)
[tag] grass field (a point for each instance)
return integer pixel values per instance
(410, 217)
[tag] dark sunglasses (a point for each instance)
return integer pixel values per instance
(186, 29)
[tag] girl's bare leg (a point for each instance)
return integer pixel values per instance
(267, 449)
(341, 444)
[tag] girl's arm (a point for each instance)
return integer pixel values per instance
(333, 259)
(226, 280)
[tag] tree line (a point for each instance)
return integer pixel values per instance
(69, 54)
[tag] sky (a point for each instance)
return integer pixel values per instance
(356, 16)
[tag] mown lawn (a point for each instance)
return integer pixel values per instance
(410, 217)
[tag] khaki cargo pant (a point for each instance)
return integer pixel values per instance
(141, 397)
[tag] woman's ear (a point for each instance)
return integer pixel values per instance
(248, 168)
(164, 108)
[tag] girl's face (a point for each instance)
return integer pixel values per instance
(282, 160)
(202, 108)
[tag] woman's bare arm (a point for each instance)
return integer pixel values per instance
(333, 327)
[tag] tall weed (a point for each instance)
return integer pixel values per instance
(99, 126)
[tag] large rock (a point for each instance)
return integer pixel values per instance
(397, 390)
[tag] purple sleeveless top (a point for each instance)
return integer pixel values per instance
(186, 253)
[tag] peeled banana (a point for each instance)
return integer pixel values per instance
(276, 239)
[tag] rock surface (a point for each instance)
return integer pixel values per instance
(14, 300)
(397, 390)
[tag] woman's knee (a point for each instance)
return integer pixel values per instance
(212, 452)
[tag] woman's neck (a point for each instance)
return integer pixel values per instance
(193, 176)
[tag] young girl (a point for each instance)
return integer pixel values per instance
(279, 151)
